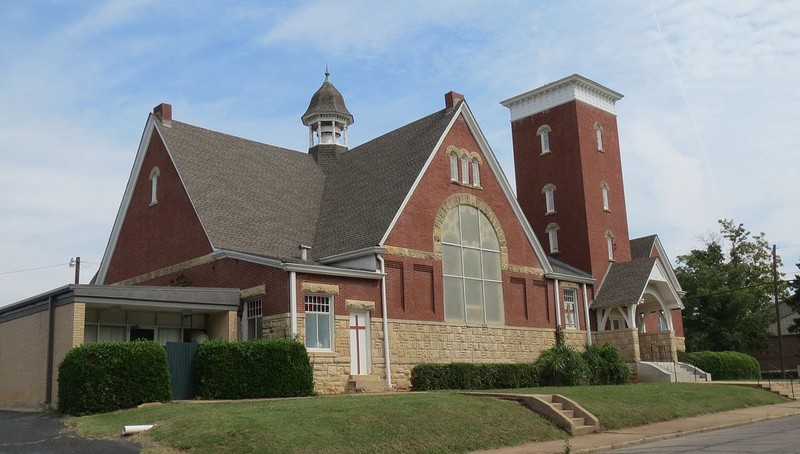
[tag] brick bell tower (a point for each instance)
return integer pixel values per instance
(569, 173)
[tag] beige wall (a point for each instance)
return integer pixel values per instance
(223, 326)
(23, 354)
(626, 341)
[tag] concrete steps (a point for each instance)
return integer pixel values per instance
(785, 389)
(365, 384)
(669, 372)
(562, 411)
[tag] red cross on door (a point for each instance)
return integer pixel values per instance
(359, 344)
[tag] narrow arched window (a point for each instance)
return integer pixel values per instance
(610, 245)
(464, 169)
(453, 166)
(544, 138)
(549, 198)
(604, 191)
(598, 132)
(476, 173)
(552, 236)
(471, 268)
(154, 185)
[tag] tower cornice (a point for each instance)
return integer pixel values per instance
(572, 88)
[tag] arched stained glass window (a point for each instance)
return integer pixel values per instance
(473, 285)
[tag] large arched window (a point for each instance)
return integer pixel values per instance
(473, 285)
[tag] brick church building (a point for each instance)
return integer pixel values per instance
(409, 248)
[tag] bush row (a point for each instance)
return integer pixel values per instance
(723, 365)
(253, 369)
(558, 366)
(425, 377)
(103, 377)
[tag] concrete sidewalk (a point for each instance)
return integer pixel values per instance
(604, 441)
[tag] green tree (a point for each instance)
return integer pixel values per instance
(728, 291)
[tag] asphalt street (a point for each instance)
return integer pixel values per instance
(776, 436)
(27, 433)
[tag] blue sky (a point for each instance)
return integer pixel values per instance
(707, 126)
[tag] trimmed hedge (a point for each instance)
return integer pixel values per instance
(723, 365)
(103, 377)
(253, 369)
(426, 377)
(562, 366)
(605, 365)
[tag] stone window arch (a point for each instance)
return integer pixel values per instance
(552, 235)
(598, 133)
(549, 198)
(544, 138)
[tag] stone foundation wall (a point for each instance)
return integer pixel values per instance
(277, 326)
(680, 343)
(658, 346)
(415, 342)
(625, 340)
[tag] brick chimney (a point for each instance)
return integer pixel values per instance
(163, 112)
(452, 98)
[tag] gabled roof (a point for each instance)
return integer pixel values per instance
(249, 196)
(366, 186)
(260, 201)
(624, 283)
(642, 247)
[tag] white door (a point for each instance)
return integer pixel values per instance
(359, 343)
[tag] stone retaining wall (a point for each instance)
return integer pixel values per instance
(625, 340)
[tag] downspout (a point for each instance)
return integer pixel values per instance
(385, 315)
(51, 307)
(558, 305)
(293, 302)
(586, 316)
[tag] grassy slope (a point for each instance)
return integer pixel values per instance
(408, 422)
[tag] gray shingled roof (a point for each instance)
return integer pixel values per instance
(266, 200)
(327, 100)
(563, 268)
(367, 185)
(641, 247)
(624, 283)
(250, 197)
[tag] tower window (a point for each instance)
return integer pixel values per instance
(552, 235)
(604, 191)
(453, 166)
(544, 135)
(598, 131)
(154, 186)
(464, 170)
(549, 198)
(610, 245)
(476, 173)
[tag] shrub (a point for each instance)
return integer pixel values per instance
(103, 377)
(253, 369)
(605, 365)
(562, 366)
(425, 377)
(723, 365)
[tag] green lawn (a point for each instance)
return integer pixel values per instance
(404, 422)
(644, 403)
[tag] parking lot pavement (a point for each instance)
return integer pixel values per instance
(24, 432)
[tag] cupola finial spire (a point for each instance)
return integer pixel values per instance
(327, 74)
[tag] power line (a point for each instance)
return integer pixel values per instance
(34, 269)
(83, 265)
(735, 289)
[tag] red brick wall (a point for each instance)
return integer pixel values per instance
(414, 230)
(154, 237)
(232, 273)
(677, 322)
(576, 168)
(349, 288)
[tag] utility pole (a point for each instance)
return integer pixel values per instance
(777, 307)
(76, 263)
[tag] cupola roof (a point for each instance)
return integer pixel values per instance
(326, 102)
